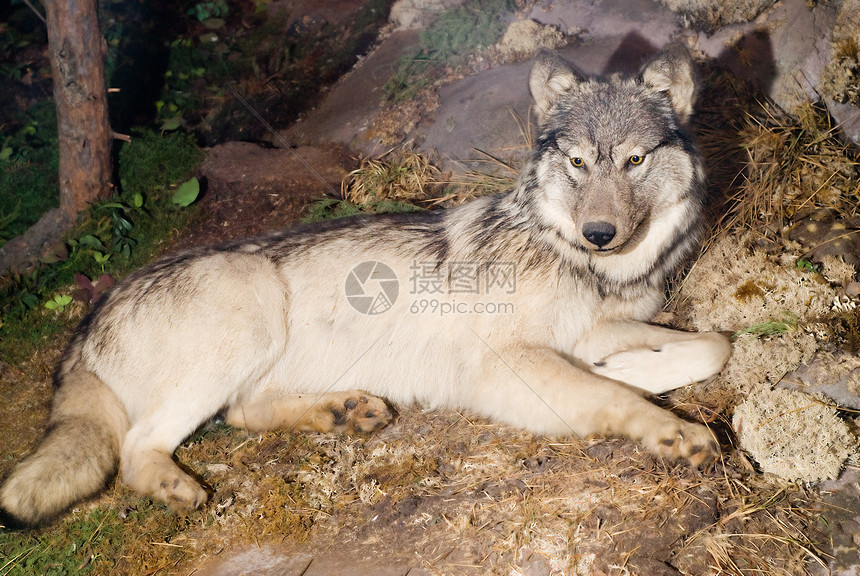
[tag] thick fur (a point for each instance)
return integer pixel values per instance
(607, 208)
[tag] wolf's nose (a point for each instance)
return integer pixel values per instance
(598, 233)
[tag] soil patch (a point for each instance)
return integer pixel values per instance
(251, 189)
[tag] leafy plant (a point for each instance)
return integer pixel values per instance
(25, 295)
(206, 10)
(806, 265)
(29, 163)
(114, 237)
(121, 226)
(58, 302)
(187, 193)
(101, 258)
(90, 293)
(90, 244)
(153, 160)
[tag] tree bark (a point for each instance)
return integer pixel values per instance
(77, 52)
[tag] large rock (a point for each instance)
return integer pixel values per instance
(782, 52)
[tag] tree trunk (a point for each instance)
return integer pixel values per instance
(77, 52)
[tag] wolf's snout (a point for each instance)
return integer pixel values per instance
(598, 233)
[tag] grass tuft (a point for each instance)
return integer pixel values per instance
(395, 176)
(794, 164)
(448, 42)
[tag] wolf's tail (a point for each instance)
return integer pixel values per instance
(77, 456)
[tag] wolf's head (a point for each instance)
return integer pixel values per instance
(615, 175)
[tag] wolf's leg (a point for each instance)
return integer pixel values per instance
(537, 389)
(652, 358)
(350, 411)
(146, 462)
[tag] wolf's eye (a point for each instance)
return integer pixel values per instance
(636, 159)
(577, 162)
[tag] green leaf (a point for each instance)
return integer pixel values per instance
(806, 265)
(137, 200)
(5, 153)
(91, 241)
(59, 302)
(30, 300)
(172, 124)
(119, 205)
(122, 226)
(187, 193)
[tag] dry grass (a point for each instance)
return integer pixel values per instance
(497, 176)
(409, 176)
(455, 494)
(793, 166)
(403, 176)
(580, 505)
(771, 169)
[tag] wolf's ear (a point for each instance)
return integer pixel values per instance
(672, 71)
(551, 76)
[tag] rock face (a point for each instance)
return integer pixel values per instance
(786, 51)
(793, 52)
(42, 241)
(790, 51)
(412, 14)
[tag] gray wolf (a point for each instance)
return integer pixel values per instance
(288, 331)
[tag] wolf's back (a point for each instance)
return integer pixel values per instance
(76, 457)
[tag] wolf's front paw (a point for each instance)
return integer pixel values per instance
(692, 442)
(640, 367)
(357, 412)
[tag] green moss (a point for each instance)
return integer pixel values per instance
(152, 160)
(449, 41)
(29, 185)
(459, 32)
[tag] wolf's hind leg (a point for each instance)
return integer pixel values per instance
(146, 462)
(652, 358)
(350, 411)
